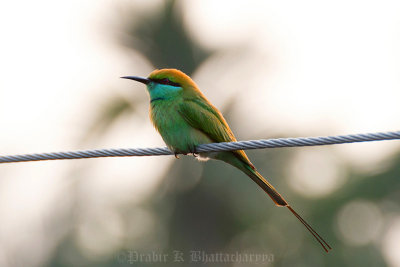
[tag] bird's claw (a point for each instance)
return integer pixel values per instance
(193, 152)
(176, 154)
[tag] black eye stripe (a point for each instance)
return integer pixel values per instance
(165, 81)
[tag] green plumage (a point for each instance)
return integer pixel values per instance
(185, 119)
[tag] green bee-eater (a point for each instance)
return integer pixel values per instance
(185, 118)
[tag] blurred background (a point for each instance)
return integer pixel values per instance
(275, 69)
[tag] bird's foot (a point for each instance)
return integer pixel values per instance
(194, 152)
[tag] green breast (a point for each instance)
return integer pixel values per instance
(176, 132)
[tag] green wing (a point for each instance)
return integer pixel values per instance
(203, 116)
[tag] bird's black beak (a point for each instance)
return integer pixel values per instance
(138, 79)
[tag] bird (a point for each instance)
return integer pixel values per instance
(185, 118)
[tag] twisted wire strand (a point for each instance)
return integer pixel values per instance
(214, 147)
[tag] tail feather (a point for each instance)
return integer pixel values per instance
(281, 202)
(266, 186)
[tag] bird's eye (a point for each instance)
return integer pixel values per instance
(165, 81)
